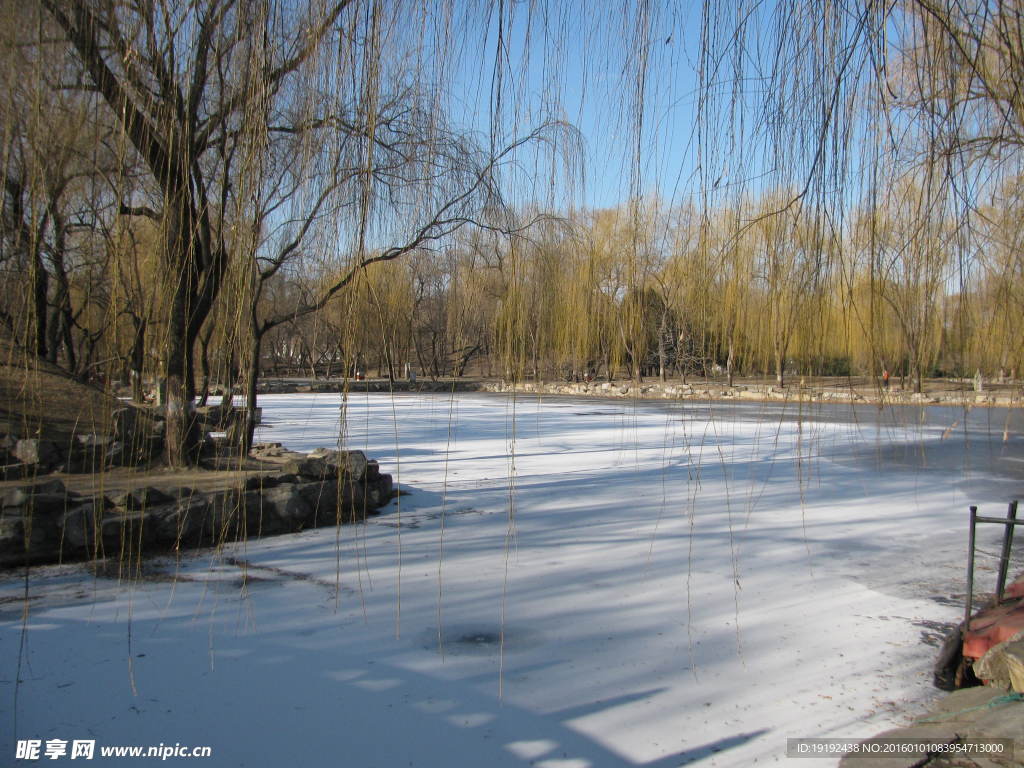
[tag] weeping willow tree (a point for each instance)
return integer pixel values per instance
(183, 182)
(993, 327)
(890, 126)
(263, 140)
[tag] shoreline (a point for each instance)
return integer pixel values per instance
(938, 394)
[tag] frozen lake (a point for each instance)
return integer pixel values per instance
(569, 583)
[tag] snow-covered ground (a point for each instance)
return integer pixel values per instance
(568, 583)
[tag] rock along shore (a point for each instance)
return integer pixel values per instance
(1004, 396)
(59, 519)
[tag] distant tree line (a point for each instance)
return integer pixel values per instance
(673, 293)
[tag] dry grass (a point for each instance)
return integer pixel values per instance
(40, 400)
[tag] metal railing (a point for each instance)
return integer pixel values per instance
(1009, 523)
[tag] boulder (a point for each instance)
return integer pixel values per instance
(12, 538)
(93, 440)
(48, 503)
(308, 466)
(93, 452)
(289, 504)
(138, 437)
(179, 524)
(53, 487)
(141, 498)
(79, 528)
(255, 515)
(350, 465)
(329, 500)
(263, 482)
(358, 500)
(236, 514)
(267, 450)
(128, 533)
(1003, 664)
(50, 496)
(42, 453)
(28, 535)
(345, 479)
(379, 491)
(44, 522)
(14, 497)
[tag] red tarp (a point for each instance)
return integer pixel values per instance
(996, 624)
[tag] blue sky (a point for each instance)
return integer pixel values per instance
(563, 63)
(627, 77)
(764, 101)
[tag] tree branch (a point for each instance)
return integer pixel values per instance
(82, 35)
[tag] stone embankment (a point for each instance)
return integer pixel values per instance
(48, 521)
(655, 390)
(755, 392)
(132, 437)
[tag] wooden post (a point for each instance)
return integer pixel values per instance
(1004, 557)
(970, 570)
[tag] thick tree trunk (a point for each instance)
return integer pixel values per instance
(192, 297)
(66, 323)
(729, 362)
(35, 334)
(40, 286)
(182, 436)
(204, 364)
(58, 331)
(136, 359)
(53, 334)
(780, 377)
(61, 320)
(230, 377)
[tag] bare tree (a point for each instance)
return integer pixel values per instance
(187, 84)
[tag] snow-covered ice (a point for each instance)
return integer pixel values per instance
(568, 583)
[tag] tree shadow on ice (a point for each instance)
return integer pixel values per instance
(312, 704)
(476, 729)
